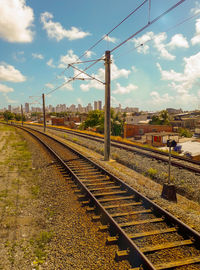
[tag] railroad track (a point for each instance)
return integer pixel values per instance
(147, 235)
(178, 161)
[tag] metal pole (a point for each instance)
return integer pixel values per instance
(22, 113)
(107, 108)
(44, 115)
(169, 168)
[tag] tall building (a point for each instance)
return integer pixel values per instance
(95, 105)
(9, 108)
(99, 105)
(27, 110)
(89, 107)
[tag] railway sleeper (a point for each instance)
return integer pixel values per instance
(139, 222)
(166, 246)
(104, 188)
(122, 205)
(116, 199)
(178, 263)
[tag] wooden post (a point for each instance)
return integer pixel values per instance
(22, 113)
(107, 108)
(44, 114)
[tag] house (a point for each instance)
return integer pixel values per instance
(141, 129)
(160, 138)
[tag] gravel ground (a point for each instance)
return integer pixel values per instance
(187, 183)
(76, 241)
(186, 210)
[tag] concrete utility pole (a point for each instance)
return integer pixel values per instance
(44, 114)
(107, 108)
(22, 113)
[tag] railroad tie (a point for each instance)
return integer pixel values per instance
(111, 193)
(153, 232)
(138, 222)
(186, 261)
(116, 199)
(166, 245)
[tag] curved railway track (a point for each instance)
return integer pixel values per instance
(147, 235)
(178, 161)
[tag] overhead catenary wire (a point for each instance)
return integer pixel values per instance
(147, 25)
(96, 43)
(166, 31)
(119, 45)
(106, 35)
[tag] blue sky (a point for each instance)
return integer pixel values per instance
(38, 39)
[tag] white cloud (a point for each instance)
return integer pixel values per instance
(37, 56)
(141, 42)
(158, 99)
(19, 56)
(49, 85)
(114, 101)
(79, 100)
(16, 21)
(110, 39)
(50, 63)
(196, 9)
(67, 86)
(10, 74)
(179, 41)
(190, 74)
(9, 100)
(158, 43)
(116, 73)
(184, 82)
(55, 29)
(134, 69)
(5, 89)
(196, 39)
(161, 47)
(124, 89)
(69, 58)
(88, 54)
(170, 75)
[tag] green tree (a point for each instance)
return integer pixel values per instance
(8, 115)
(185, 132)
(161, 119)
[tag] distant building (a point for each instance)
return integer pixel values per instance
(99, 105)
(9, 108)
(173, 111)
(27, 108)
(95, 105)
(141, 129)
(160, 139)
(89, 107)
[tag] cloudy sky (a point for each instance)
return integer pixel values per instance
(156, 69)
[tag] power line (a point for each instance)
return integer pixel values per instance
(169, 29)
(147, 25)
(113, 29)
(94, 45)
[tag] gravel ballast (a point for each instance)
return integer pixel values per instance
(77, 242)
(186, 210)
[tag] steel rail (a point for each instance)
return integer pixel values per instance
(130, 147)
(134, 250)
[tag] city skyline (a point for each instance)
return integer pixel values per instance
(160, 67)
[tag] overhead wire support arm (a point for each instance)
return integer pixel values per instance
(91, 77)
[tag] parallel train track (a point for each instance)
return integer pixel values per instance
(178, 161)
(147, 235)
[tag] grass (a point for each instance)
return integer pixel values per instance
(40, 244)
(151, 172)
